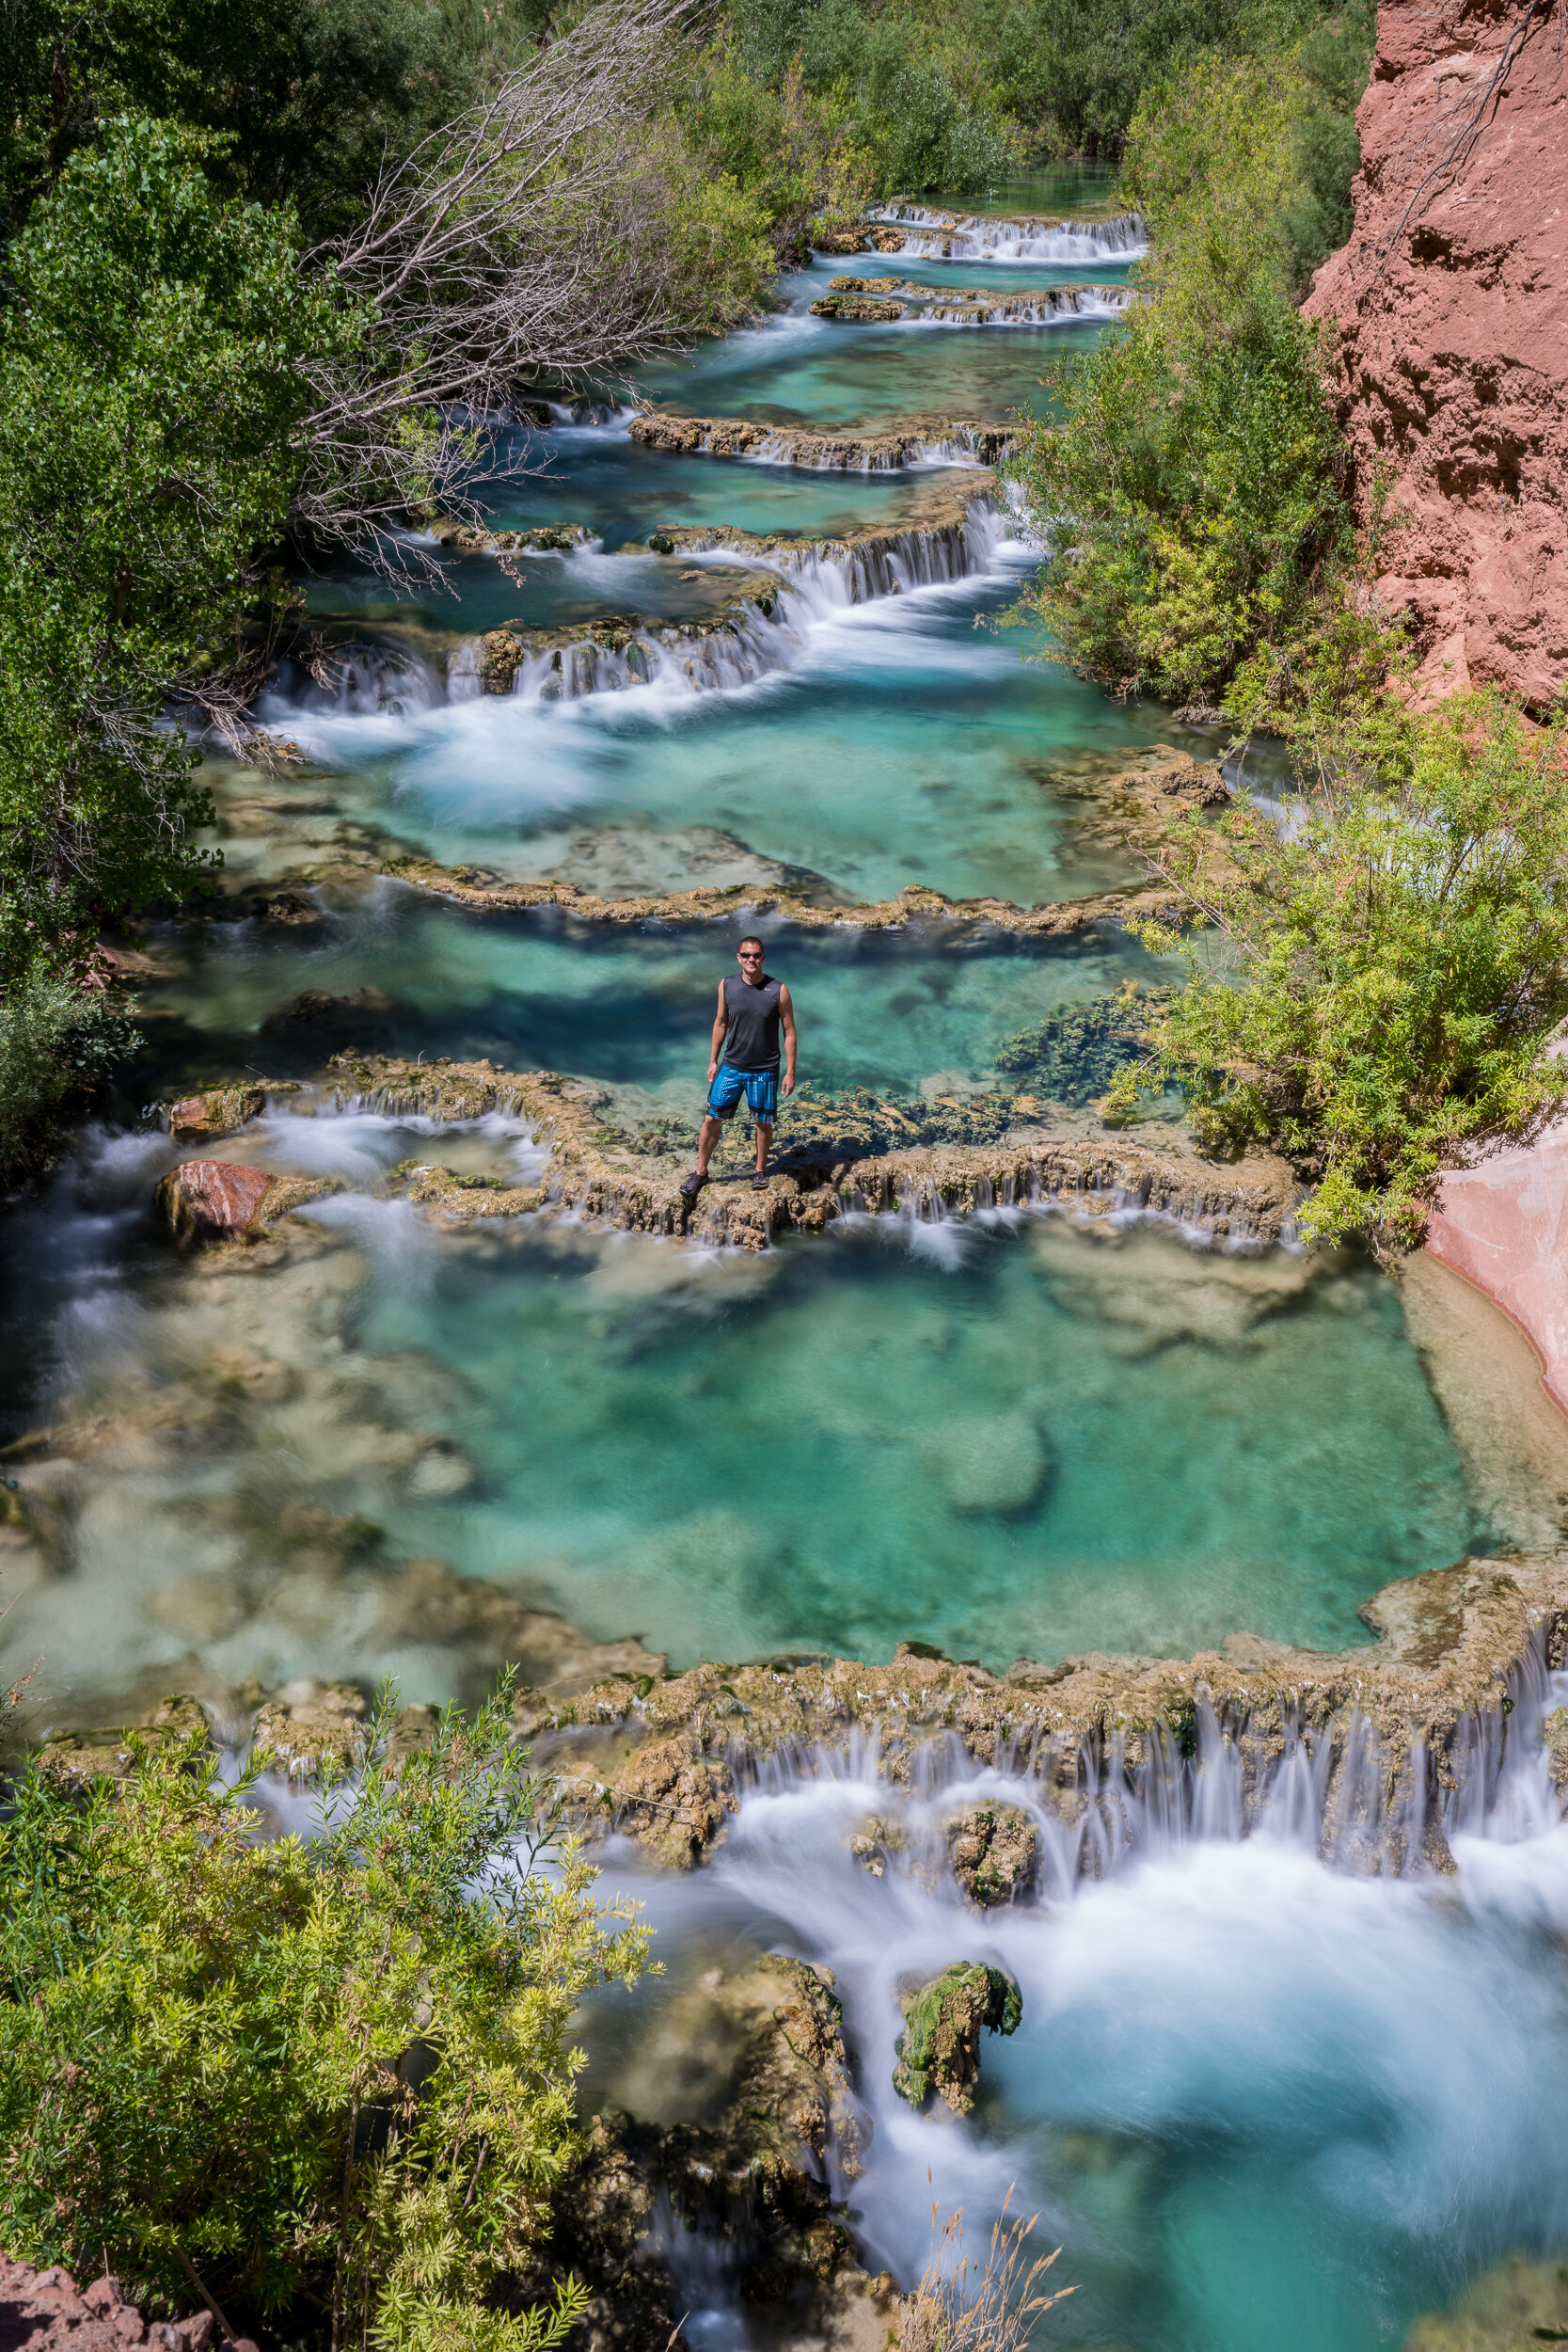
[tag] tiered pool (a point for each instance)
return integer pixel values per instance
(1263, 2106)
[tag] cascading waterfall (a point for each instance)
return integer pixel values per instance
(818, 582)
(362, 681)
(971, 237)
(1242, 1963)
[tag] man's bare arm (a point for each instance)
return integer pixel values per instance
(721, 1022)
(786, 1014)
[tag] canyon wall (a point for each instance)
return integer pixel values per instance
(1452, 301)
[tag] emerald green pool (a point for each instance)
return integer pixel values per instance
(1265, 2108)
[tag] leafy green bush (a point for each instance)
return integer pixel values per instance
(1377, 986)
(1192, 498)
(330, 2081)
(308, 98)
(55, 1038)
(151, 379)
(873, 102)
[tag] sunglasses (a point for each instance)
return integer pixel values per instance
(751, 955)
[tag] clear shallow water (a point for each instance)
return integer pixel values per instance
(1258, 2102)
(845, 378)
(1260, 2106)
(634, 1008)
(905, 744)
(599, 477)
(1026, 1449)
(1005, 1439)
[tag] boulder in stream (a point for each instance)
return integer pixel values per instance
(217, 1111)
(676, 1802)
(752, 2064)
(992, 1851)
(202, 1200)
(938, 2050)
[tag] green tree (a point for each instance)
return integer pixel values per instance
(307, 97)
(329, 2080)
(1191, 497)
(1377, 983)
(151, 382)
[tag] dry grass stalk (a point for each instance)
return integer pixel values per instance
(983, 2303)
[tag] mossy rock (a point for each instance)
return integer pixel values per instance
(74, 1759)
(993, 1851)
(938, 2050)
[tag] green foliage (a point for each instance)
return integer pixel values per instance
(1040, 77)
(56, 1037)
(1192, 495)
(331, 2078)
(307, 96)
(864, 103)
(150, 381)
(1377, 988)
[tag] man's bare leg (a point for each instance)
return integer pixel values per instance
(765, 1138)
(707, 1135)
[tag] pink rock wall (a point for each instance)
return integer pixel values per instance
(1503, 1223)
(1452, 299)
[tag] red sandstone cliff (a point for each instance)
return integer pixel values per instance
(1453, 303)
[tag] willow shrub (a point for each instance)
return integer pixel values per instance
(1377, 984)
(1191, 494)
(329, 2080)
(55, 1038)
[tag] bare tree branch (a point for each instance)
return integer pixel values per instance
(526, 241)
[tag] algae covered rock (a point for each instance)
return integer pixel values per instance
(1554, 1732)
(1514, 2308)
(737, 2104)
(75, 1757)
(938, 2050)
(992, 1851)
(874, 1841)
(307, 1724)
(601, 2218)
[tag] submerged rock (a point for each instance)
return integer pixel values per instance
(202, 1199)
(938, 2050)
(995, 1462)
(993, 1851)
(1515, 2308)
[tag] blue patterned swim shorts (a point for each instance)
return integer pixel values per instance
(760, 1087)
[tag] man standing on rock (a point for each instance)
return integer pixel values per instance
(753, 1006)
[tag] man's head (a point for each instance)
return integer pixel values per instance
(748, 956)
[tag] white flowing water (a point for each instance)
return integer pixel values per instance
(1261, 2094)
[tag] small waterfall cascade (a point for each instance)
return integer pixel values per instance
(1367, 1803)
(820, 581)
(940, 235)
(362, 680)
